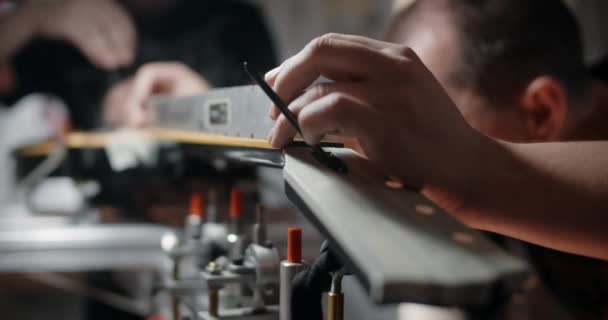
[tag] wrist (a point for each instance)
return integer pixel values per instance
(483, 171)
(463, 189)
(492, 177)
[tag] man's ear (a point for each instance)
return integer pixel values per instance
(544, 107)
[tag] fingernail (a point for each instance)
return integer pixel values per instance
(271, 73)
(274, 115)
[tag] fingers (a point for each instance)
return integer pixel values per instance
(326, 104)
(270, 78)
(372, 93)
(101, 45)
(372, 43)
(146, 79)
(168, 78)
(285, 129)
(102, 30)
(394, 49)
(271, 75)
(339, 58)
(369, 92)
(94, 47)
(119, 30)
(335, 114)
(114, 103)
(125, 102)
(333, 58)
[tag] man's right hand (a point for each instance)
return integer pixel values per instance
(552, 194)
(101, 29)
(383, 96)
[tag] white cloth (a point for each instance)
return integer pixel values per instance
(34, 118)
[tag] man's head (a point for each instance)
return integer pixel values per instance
(514, 67)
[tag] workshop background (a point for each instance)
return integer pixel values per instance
(293, 23)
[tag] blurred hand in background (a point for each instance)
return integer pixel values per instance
(101, 29)
(125, 104)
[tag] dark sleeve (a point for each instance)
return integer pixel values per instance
(599, 69)
(58, 68)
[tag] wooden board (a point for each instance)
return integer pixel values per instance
(399, 245)
(99, 140)
(95, 140)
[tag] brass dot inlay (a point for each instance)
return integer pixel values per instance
(462, 237)
(394, 183)
(425, 209)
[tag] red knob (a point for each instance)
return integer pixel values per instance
(236, 203)
(196, 205)
(294, 245)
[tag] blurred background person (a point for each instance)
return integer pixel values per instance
(96, 56)
(79, 50)
(106, 72)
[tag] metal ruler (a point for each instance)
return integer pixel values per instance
(240, 112)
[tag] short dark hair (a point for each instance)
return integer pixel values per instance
(506, 43)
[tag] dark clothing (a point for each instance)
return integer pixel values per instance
(599, 69)
(212, 37)
(579, 283)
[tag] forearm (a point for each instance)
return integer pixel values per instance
(552, 194)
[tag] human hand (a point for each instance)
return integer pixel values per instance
(125, 104)
(101, 29)
(383, 96)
